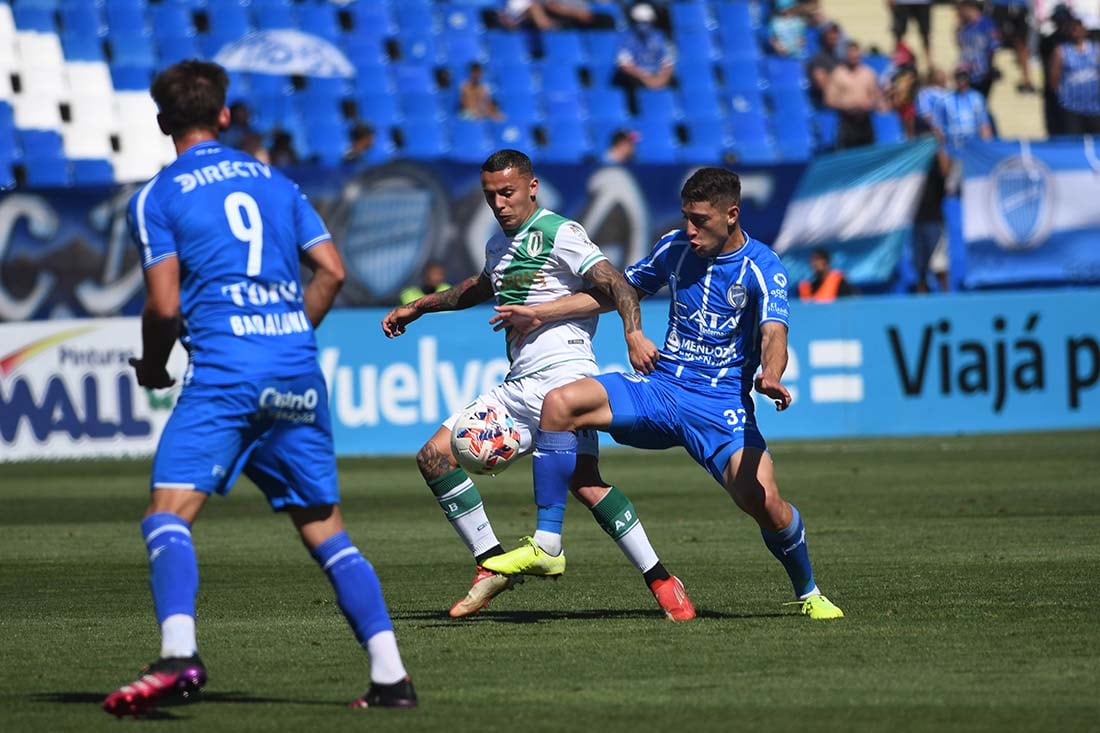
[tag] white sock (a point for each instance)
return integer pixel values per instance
(177, 636)
(813, 592)
(635, 545)
(385, 661)
(473, 527)
(550, 542)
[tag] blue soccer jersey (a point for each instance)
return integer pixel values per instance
(717, 306)
(238, 228)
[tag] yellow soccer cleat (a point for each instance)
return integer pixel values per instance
(527, 559)
(817, 607)
(486, 587)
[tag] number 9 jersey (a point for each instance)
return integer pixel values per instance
(238, 228)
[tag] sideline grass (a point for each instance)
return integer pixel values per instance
(967, 568)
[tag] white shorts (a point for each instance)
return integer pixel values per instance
(522, 398)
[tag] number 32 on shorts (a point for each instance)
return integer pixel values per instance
(735, 418)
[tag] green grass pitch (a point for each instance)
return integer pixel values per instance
(968, 569)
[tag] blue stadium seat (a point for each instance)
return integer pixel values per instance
(50, 5)
(270, 84)
(460, 18)
(512, 134)
(323, 109)
(564, 48)
(270, 111)
(658, 104)
(520, 106)
(749, 128)
(689, 16)
(707, 140)
(471, 141)
(740, 77)
(171, 20)
(320, 20)
(603, 51)
(702, 106)
(414, 14)
(373, 79)
(658, 142)
(92, 172)
(171, 49)
(417, 45)
(563, 105)
(791, 103)
(515, 79)
(364, 49)
(887, 127)
(228, 20)
(424, 138)
(131, 49)
(607, 105)
(371, 19)
(29, 18)
(566, 142)
(79, 46)
(327, 141)
(749, 100)
(273, 14)
(46, 172)
(7, 125)
(126, 16)
(793, 137)
(507, 45)
(877, 62)
(83, 19)
(460, 49)
(558, 78)
(418, 106)
(413, 77)
(735, 23)
(785, 73)
(131, 78)
(695, 45)
(379, 109)
(696, 77)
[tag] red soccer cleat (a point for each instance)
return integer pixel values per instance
(487, 585)
(672, 597)
(171, 681)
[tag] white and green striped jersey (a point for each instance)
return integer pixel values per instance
(544, 260)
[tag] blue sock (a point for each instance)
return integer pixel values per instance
(555, 460)
(173, 570)
(358, 592)
(789, 547)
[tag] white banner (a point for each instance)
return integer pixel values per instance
(67, 391)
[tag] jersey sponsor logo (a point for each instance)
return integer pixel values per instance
(223, 171)
(780, 279)
(262, 293)
(1022, 203)
(533, 244)
(273, 324)
(579, 231)
(521, 280)
(737, 296)
(710, 355)
(290, 406)
(710, 324)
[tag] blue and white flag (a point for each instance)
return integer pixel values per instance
(859, 205)
(1031, 212)
(285, 51)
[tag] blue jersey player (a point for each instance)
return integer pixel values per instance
(221, 238)
(727, 317)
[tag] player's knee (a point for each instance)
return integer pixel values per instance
(434, 460)
(557, 412)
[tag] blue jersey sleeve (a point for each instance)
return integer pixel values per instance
(149, 227)
(650, 274)
(311, 230)
(771, 279)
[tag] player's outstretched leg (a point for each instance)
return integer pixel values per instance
(555, 459)
(615, 514)
(461, 503)
(788, 545)
(179, 675)
(359, 595)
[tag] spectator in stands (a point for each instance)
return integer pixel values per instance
(646, 57)
(827, 284)
(240, 125)
(622, 148)
(828, 56)
(475, 102)
(787, 30)
(1075, 73)
(928, 232)
(576, 14)
(899, 83)
(282, 152)
(978, 39)
(361, 145)
(961, 116)
(1055, 33)
(1011, 19)
(920, 11)
(524, 14)
(253, 144)
(929, 98)
(853, 91)
(432, 280)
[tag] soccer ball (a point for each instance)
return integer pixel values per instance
(485, 438)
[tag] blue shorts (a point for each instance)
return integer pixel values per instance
(277, 430)
(659, 410)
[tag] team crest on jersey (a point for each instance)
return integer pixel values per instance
(1022, 202)
(533, 245)
(672, 343)
(737, 296)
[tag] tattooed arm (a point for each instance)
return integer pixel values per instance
(470, 292)
(612, 285)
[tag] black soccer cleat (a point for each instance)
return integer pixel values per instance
(398, 695)
(167, 681)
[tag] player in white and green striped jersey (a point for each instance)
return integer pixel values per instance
(538, 257)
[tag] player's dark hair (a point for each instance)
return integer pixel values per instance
(189, 95)
(508, 158)
(712, 185)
